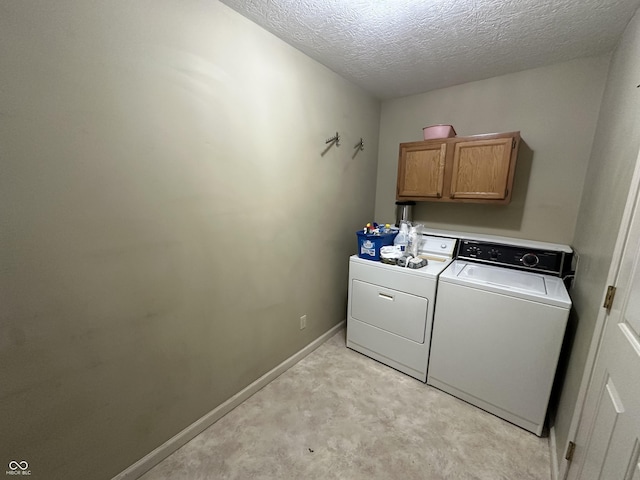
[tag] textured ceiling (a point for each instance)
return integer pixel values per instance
(394, 48)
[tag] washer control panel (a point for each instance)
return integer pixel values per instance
(543, 261)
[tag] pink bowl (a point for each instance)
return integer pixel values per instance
(438, 131)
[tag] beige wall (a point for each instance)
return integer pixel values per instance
(615, 150)
(167, 216)
(555, 108)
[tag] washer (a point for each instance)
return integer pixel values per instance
(498, 331)
(390, 308)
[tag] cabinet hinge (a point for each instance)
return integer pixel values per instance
(571, 448)
(608, 299)
(513, 143)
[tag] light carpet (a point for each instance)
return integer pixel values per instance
(338, 414)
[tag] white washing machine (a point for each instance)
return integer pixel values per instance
(390, 308)
(498, 331)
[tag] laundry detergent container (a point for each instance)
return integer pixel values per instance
(369, 244)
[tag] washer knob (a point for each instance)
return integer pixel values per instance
(530, 260)
(444, 245)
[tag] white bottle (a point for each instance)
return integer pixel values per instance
(402, 239)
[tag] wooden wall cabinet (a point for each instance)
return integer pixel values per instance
(476, 169)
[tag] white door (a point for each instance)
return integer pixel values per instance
(608, 439)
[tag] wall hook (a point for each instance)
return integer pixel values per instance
(334, 139)
(360, 144)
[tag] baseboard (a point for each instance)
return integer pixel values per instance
(553, 453)
(163, 451)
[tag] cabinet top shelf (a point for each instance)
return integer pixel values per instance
(483, 136)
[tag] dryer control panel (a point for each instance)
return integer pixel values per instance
(523, 258)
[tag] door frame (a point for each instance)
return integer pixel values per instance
(625, 223)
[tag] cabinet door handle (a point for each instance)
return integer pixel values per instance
(385, 296)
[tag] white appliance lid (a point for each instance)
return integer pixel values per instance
(504, 278)
(432, 269)
(538, 287)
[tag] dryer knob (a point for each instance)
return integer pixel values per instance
(530, 260)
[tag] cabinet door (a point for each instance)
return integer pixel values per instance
(421, 171)
(481, 169)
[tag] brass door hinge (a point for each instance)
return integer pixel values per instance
(608, 298)
(570, 449)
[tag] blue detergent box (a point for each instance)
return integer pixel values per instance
(369, 244)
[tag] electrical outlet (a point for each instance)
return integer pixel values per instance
(303, 322)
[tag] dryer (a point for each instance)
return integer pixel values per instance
(390, 308)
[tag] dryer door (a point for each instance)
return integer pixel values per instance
(393, 311)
